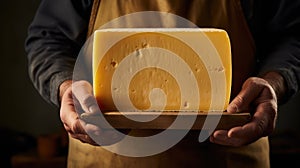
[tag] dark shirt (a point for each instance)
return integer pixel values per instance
(59, 30)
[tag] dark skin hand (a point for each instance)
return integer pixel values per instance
(259, 96)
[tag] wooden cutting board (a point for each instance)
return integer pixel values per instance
(119, 120)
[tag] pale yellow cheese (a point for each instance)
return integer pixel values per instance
(161, 69)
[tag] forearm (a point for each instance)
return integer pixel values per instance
(54, 39)
(285, 62)
(47, 70)
(278, 46)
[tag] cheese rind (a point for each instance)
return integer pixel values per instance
(161, 69)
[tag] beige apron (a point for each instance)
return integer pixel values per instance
(225, 14)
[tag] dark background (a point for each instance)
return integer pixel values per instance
(24, 113)
(22, 108)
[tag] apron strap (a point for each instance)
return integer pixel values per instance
(93, 17)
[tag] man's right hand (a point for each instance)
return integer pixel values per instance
(78, 98)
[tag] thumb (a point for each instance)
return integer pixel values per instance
(250, 91)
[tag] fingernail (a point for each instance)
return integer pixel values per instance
(94, 109)
(232, 108)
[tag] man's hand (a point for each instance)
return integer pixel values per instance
(258, 95)
(77, 98)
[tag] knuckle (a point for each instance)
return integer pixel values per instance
(252, 81)
(271, 110)
(88, 101)
(239, 100)
(256, 82)
(264, 129)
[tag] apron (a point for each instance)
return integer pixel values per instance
(224, 14)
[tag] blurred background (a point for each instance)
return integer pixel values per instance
(26, 119)
(30, 129)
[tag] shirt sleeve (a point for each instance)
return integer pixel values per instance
(278, 42)
(54, 39)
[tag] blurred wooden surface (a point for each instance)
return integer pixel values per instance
(34, 161)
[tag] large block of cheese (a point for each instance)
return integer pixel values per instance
(162, 69)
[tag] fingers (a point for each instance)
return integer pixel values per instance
(243, 135)
(77, 128)
(83, 92)
(100, 136)
(221, 137)
(265, 117)
(262, 124)
(77, 131)
(70, 118)
(258, 94)
(251, 90)
(89, 133)
(239, 136)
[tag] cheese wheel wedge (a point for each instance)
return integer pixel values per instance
(171, 69)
